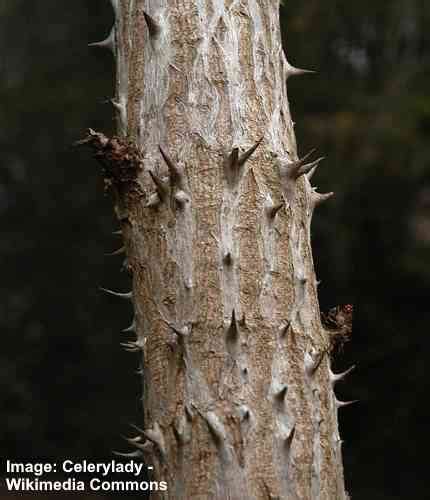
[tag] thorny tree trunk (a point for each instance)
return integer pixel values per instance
(215, 210)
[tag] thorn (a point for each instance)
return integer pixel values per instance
(318, 198)
(126, 266)
(335, 377)
(121, 109)
(189, 412)
(305, 169)
(281, 393)
(228, 260)
(134, 440)
(131, 328)
(114, 4)
(273, 210)
(131, 346)
(341, 404)
(289, 439)
(116, 252)
(155, 435)
(136, 428)
(311, 172)
(118, 106)
(181, 198)
(127, 296)
(161, 188)
(181, 332)
(247, 154)
(313, 361)
(307, 155)
(236, 161)
(297, 168)
(215, 427)
(176, 175)
(182, 429)
(233, 332)
(107, 43)
(124, 220)
(117, 233)
(284, 329)
(153, 27)
(292, 71)
(245, 413)
(233, 158)
(145, 447)
(132, 454)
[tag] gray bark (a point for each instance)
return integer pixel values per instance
(215, 209)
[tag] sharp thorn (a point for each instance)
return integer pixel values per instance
(138, 429)
(319, 198)
(116, 252)
(281, 393)
(117, 105)
(180, 332)
(284, 329)
(304, 169)
(127, 296)
(245, 413)
(153, 27)
(247, 154)
(233, 332)
(307, 155)
(181, 198)
(290, 437)
(228, 259)
(274, 209)
(335, 377)
(311, 172)
(233, 159)
(216, 428)
(292, 71)
(341, 404)
(136, 439)
(132, 454)
(131, 328)
(107, 43)
(161, 188)
(174, 172)
(131, 346)
(114, 4)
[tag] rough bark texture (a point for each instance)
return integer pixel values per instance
(215, 209)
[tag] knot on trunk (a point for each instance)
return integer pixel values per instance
(121, 161)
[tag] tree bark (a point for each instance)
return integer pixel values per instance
(215, 209)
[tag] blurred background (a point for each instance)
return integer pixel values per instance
(67, 387)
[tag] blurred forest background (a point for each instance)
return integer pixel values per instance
(67, 387)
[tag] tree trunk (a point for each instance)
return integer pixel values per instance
(215, 209)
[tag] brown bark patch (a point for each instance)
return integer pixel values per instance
(121, 163)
